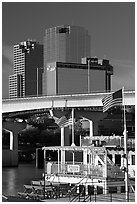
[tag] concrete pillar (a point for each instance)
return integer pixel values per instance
(10, 156)
(11, 139)
(91, 128)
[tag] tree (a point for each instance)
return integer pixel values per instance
(41, 122)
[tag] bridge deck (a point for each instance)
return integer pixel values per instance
(60, 101)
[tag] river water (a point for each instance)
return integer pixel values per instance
(13, 178)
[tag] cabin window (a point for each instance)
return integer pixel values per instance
(133, 160)
(99, 190)
(112, 189)
(122, 189)
(118, 159)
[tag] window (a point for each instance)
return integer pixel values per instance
(118, 159)
(112, 189)
(122, 189)
(133, 160)
(64, 30)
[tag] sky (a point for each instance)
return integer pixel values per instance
(111, 26)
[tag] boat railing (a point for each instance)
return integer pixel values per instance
(77, 168)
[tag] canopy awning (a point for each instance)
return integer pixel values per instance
(77, 148)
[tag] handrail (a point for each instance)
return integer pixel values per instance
(78, 195)
(76, 186)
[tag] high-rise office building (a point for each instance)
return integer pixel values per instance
(27, 73)
(64, 43)
(92, 75)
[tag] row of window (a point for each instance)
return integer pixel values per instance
(19, 70)
(22, 65)
(19, 65)
(16, 59)
(19, 57)
(122, 189)
(99, 190)
(18, 54)
(13, 85)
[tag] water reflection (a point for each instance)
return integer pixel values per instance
(13, 179)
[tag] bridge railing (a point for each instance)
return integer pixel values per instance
(66, 95)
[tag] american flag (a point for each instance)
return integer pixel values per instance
(114, 99)
(64, 121)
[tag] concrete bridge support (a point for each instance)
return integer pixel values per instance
(93, 116)
(10, 156)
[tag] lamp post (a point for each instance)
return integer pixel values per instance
(38, 80)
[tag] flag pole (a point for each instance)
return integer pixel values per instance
(125, 148)
(88, 76)
(73, 144)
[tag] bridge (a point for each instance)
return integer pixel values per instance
(60, 101)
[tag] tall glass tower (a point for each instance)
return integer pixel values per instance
(27, 75)
(64, 43)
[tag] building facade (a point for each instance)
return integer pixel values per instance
(64, 43)
(27, 73)
(78, 78)
(15, 85)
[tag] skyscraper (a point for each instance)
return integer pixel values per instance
(64, 43)
(27, 73)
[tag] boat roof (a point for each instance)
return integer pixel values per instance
(76, 148)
